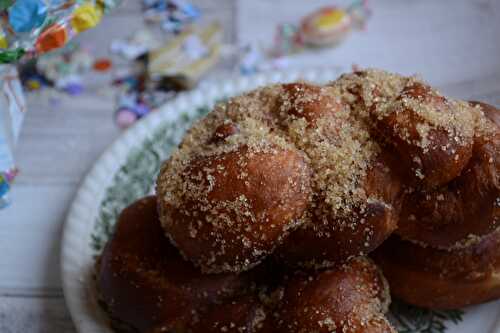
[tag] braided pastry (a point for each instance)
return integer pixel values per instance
(296, 147)
(441, 279)
(459, 213)
(272, 200)
(351, 298)
(145, 284)
(146, 287)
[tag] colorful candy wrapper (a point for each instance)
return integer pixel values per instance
(12, 110)
(325, 27)
(32, 27)
(29, 28)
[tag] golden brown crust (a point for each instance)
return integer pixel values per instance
(333, 241)
(461, 212)
(441, 279)
(433, 153)
(337, 138)
(252, 200)
(307, 101)
(235, 187)
(365, 89)
(144, 282)
(323, 174)
(341, 225)
(147, 287)
(303, 120)
(431, 134)
(489, 111)
(351, 298)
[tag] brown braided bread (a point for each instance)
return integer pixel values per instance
(324, 173)
(264, 213)
(441, 279)
(146, 287)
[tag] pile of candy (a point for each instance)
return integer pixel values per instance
(164, 66)
(190, 50)
(159, 64)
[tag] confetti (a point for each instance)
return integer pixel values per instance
(73, 88)
(102, 65)
(125, 118)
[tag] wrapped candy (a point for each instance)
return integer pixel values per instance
(325, 27)
(29, 28)
(33, 27)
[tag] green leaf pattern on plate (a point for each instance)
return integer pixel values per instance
(136, 176)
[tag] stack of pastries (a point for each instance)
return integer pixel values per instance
(265, 215)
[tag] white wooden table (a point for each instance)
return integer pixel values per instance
(453, 44)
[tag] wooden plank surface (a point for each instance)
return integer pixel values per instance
(60, 143)
(34, 314)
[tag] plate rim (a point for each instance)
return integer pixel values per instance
(89, 195)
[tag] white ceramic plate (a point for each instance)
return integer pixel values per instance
(126, 172)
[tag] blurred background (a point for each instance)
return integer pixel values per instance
(143, 53)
